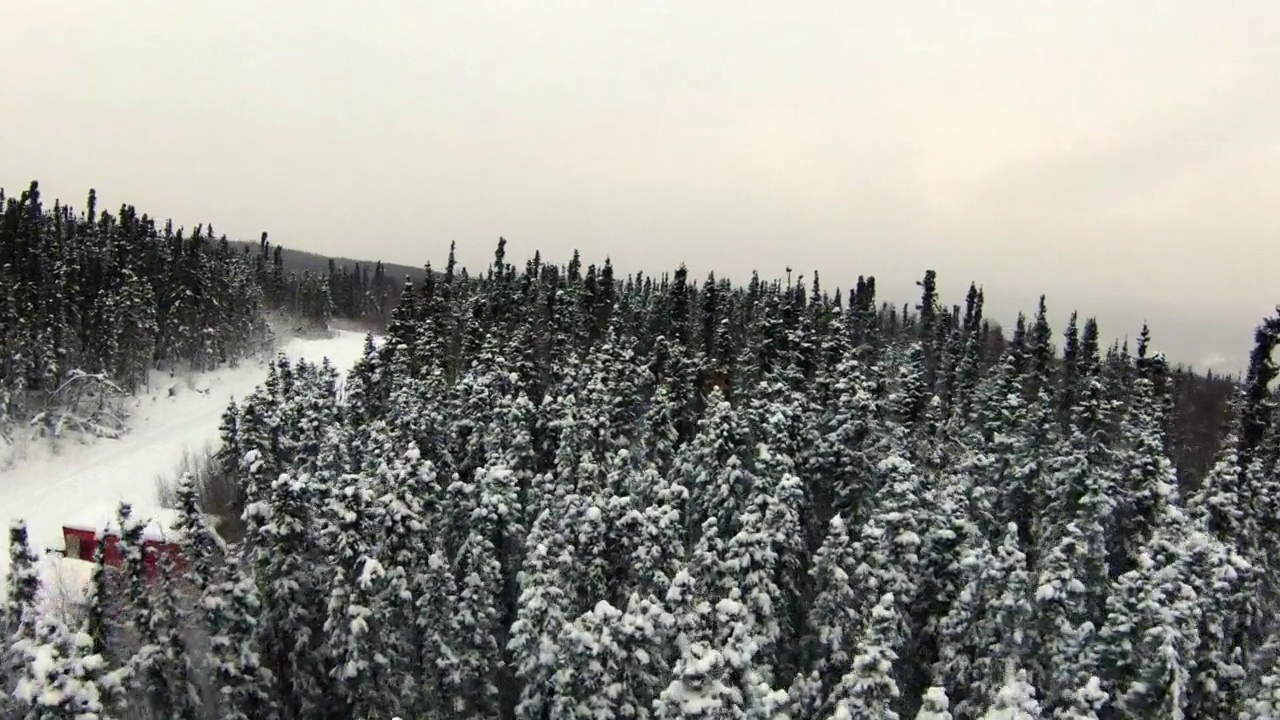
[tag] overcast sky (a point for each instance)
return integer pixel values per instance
(1122, 157)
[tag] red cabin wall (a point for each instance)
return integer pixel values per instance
(114, 556)
(81, 544)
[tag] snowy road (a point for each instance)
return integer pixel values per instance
(86, 482)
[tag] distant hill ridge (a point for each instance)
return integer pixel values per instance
(303, 261)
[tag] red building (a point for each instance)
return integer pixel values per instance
(158, 539)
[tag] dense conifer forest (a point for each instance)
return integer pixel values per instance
(555, 492)
(359, 290)
(91, 302)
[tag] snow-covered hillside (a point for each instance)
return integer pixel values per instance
(85, 483)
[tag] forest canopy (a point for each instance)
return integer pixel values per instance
(554, 492)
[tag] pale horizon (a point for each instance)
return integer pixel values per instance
(1121, 158)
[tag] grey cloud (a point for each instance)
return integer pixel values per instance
(1118, 156)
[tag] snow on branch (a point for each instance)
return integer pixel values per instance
(88, 403)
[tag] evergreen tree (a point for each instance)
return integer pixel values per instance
(1016, 700)
(609, 670)
(833, 619)
(543, 611)
(698, 689)
(62, 678)
(868, 690)
(439, 632)
(934, 706)
(278, 549)
(1265, 704)
(20, 616)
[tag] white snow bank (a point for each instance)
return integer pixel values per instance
(84, 483)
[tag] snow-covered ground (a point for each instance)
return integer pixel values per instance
(84, 483)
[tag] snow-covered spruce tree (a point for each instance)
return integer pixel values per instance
(169, 636)
(1257, 402)
(748, 671)
(473, 399)
(1227, 588)
(1035, 473)
(228, 605)
(20, 614)
(1001, 480)
(135, 332)
(934, 705)
(479, 660)
(909, 395)
(202, 549)
(644, 636)
(661, 430)
(542, 611)
(139, 600)
(610, 394)
(698, 689)
(367, 386)
(1162, 693)
(1262, 479)
(403, 329)
(396, 533)
(1264, 704)
(608, 668)
(988, 625)
(838, 460)
(280, 552)
(868, 689)
(1147, 478)
(246, 688)
(785, 506)
(355, 637)
(501, 500)
(833, 621)
(1217, 502)
(415, 413)
(1086, 702)
(509, 439)
(228, 457)
(317, 440)
(438, 634)
(1078, 518)
(160, 671)
(105, 604)
(346, 532)
(258, 440)
(654, 524)
(711, 467)
(62, 678)
(969, 363)
(751, 559)
(1016, 699)
(891, 541)
(566, 446)
(706, 567)
(23, 582)
(949, 537)
(628, 534)
(1147, 645)
(688, 618)
(1065, 640)
(597, 563)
